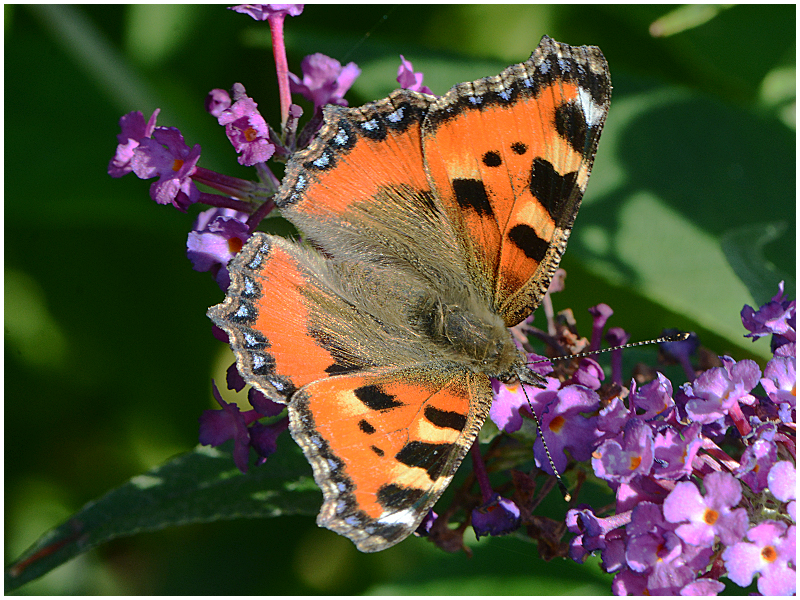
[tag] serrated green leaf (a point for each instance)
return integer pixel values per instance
(197, 487)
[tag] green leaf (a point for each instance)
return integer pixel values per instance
(744, 249)
(197, 487)
(679, 231)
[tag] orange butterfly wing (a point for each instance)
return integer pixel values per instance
(385, 444)
(267, 315)
(510, 157)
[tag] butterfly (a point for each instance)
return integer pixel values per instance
(429, 227)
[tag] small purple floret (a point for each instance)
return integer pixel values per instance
(217, 236)
(701, 518)
(717, 390)
(600, 314)
(133, 130)
(510, 402)
(499, 516)
(426, 524)
(782, 480)
(568, 424)
(324, 80)
(262, 12)
(770, 553)
(264, 438)
(219, 426)
(410, 80)
(246, 129)
(217, 101)
(619, 461)
(166, 156)
(777, 317)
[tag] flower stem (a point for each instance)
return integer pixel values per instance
(479, 468)
(281, 65)
(259, 214)
(225, 202)
(230, 186)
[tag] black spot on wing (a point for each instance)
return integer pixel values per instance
(366, 427)
(445, 419)
(492, 159)
(377, 451)
(427, 201)
(519, 148)
(471, 194)
(526, 239)
(398, 497)
(598, 86)
(553, 190)
(375, 399)
(571, 126)
(337, 369)
(431, 457)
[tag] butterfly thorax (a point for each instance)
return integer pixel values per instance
(467, 332)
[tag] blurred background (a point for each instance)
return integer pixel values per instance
(689, 215)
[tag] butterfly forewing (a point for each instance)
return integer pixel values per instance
(510, 157)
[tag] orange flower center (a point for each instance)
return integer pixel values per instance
(710, 516)
(635, 462)
(235, 245)
(176, 166)
(769, 554)
(557, 423)
(250, 134)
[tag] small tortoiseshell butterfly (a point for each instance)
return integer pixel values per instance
(430, 225)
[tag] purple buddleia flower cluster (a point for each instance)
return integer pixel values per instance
(703, 473)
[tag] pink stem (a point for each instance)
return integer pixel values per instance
(281, 66)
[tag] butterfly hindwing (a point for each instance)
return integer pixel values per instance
(382, 418)
(266, 318)
(509, 156)
(384, 444)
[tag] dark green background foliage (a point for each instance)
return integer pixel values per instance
(689, 215)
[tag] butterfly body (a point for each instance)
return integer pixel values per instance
(430, 226)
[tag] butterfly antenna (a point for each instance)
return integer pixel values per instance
(671, 338)
(679, 337)
(561, 485)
